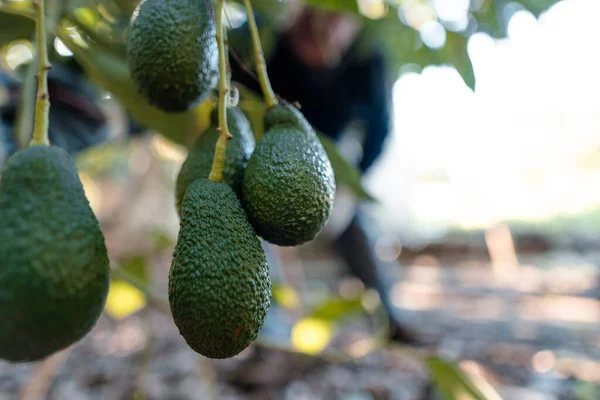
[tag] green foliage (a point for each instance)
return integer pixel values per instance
(337, 5)
(20, 28)
(98, 45)
(455, 384)
(137, 267)
(335, 309)
(586, 391)
(96, 31)
(402, 42)
(345, 173)
(110, 70)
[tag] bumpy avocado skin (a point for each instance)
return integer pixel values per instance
(289, 185)
(172, 52)
(200, 158)
(219, 283)
(54, 267)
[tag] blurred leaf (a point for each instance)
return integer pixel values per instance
(285, 296)
(124, 300)
(454, 384)
(253, 107)
(137, 266)
(586, 391)
(161, 240)
(311, 336)
(453, 53)
(489, 20)
(20, 28)
(313, 333)
(103, 160)
(336, 5)
(345, 173)
(537, 6)
(336, 308)
(111, 72)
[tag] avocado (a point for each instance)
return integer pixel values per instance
(200, 158)
(54, 267)
(289, 185)
(219, 283)
(172, 52)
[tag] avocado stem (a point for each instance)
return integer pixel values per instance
(42, 100)
(216, 172)
(259, 58)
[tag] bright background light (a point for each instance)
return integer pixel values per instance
(511, 149)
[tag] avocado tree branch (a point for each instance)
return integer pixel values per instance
(26, 107)
(42, 101)
(261, 65)
(216, 173)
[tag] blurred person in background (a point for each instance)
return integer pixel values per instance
(317, 61)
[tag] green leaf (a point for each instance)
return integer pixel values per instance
(345, 173)
(137, 266)
(161, 240)
(489, 19)
(335, 5)
(285, 296)
(454, 384)
(20, 28)
(336, 308)
(253, 107)
(537, 6)
(453, 53)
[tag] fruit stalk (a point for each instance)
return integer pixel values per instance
(216, 173)
(42, 101)
(259, 57)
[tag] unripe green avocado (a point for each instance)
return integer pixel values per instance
(219, 283)
(289, 185)
(172, 52)
(200, 158)
(54, 267)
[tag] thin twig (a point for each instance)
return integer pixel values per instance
(261, 65)
(26, 108)
(42, 103)
(216, 173)
(141, 392)
(43, 376)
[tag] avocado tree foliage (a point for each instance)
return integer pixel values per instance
(95, 31)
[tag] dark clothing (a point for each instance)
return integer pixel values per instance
(331, 98)
(76, 121)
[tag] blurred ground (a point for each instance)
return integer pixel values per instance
(526, 321)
